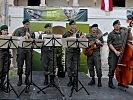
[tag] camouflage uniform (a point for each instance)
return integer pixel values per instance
(72, 57)
(4, 61)
(47, 61)
(116, 39)
(47, 58)
(95, 58)
(24, 54)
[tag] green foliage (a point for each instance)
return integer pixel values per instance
(83, 27)
(37, 26)
(83, 63)
(36, 62)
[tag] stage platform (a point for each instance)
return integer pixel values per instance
(96, 93)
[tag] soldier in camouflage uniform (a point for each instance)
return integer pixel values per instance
(24, 54)
(4, 61)
(115, 42)
(47, 57)
(95, 58)
(72, 54)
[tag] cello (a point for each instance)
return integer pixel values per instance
(124, 69)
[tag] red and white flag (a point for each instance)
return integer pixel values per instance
(107, 5)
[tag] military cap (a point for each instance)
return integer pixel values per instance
(94, 25)
(3, 27)
(47, 25)
(116, 22)
(71, 22)
(25, 21)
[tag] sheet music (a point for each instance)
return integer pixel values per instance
(27, 43)
(70, 42)
(4, 41)
(51, 40)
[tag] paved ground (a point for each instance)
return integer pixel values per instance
(103, 93)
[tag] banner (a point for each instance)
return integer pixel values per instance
(55, 14)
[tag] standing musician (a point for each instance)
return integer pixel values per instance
(24, 54)
(4, 61)
(47, 57)
(115, 42)
(94, 59)
(72, 54)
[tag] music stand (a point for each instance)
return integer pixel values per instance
(76, 43)
(31, 44)
(52, 41)
(8, 42)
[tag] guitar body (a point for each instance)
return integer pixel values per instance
(89, 51)
(92, 46)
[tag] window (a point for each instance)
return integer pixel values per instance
(33, 2)
(119, 3)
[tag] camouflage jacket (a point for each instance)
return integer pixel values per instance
(117, 39)
(22, 32)
(69, 34)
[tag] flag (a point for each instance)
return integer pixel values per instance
(107, 5)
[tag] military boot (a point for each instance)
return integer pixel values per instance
(70, 83)
(20, 80)
(92, 82)
(51, 79)
(99, 82)
(110, 83)
(75, 83)
(27, 82)
(46, 80)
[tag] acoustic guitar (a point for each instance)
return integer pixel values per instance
(92, 46)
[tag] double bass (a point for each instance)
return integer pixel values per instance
(124, 69)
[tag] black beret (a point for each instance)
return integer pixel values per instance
(94, 25)
(116, 22)
(25, 21)
(47, 25)
(3, 27)
(71, 22)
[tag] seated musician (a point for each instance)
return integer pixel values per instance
(4, 54)
(24, 54)
(47, 57)
(72, 54)
(94, 59)
(115, 41)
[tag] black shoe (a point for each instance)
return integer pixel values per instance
(120, 84)
(99, 82)
(70, 83)
(20, 81)
(27, 82)
(92, 82)
(46, 80)
(75, 84)
(51, 80)
(110, 83)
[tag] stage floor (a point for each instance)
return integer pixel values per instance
(96, 93)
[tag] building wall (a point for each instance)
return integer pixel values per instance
(129, 3)
(20, 2)
(2, 12)
(63, 3)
